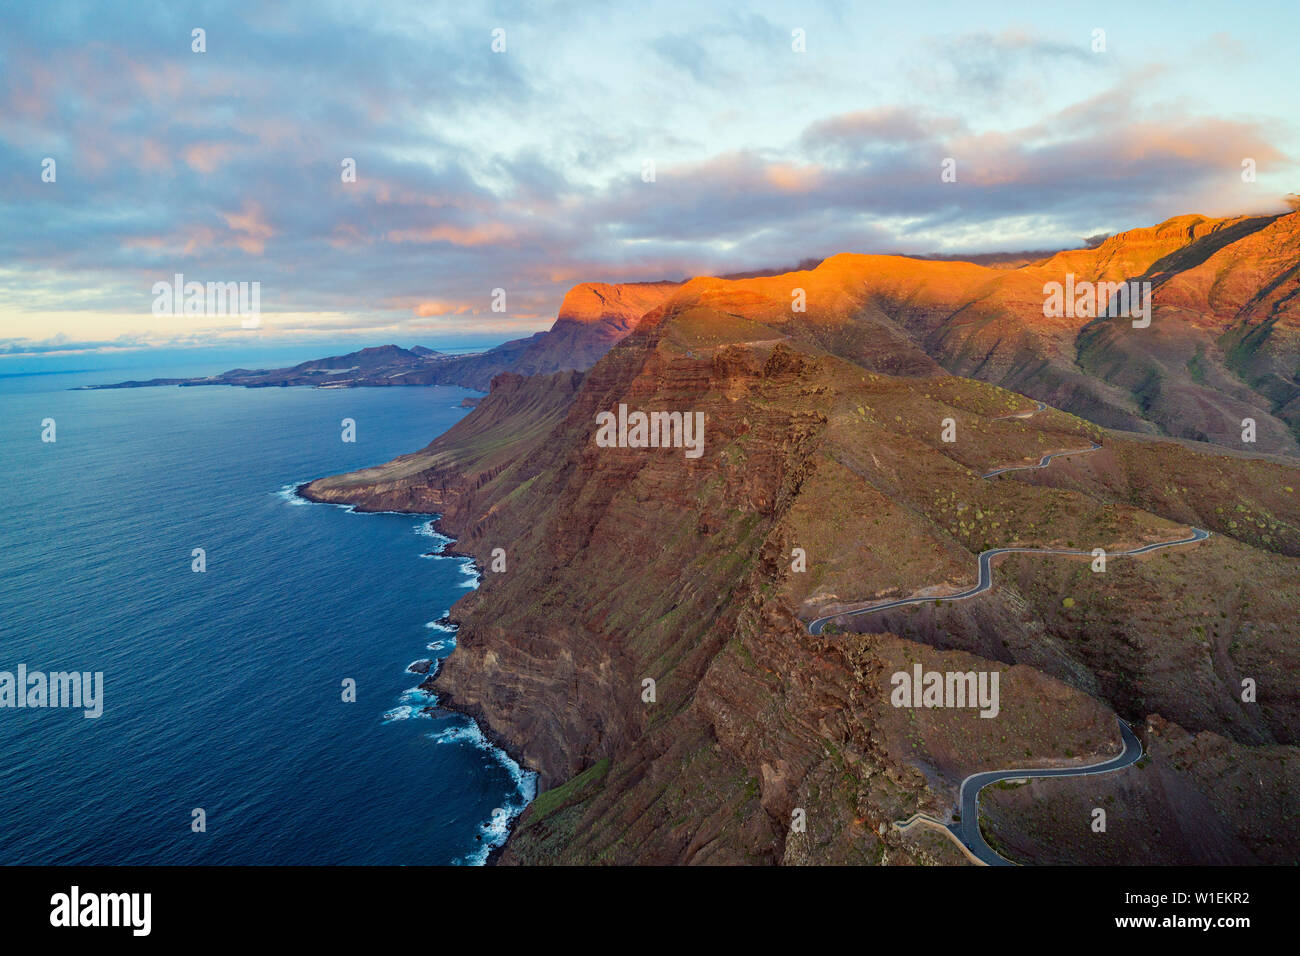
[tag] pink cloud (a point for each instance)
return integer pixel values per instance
(206, 157)
(253, 226)
(789, 178)
(485, 234)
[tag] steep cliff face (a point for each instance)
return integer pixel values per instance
(592, 317)
(646, 648)
(627, 565)
(517, 413)
(632, 591)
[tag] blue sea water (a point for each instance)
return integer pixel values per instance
(223, 690)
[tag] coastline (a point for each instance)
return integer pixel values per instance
(445, 700)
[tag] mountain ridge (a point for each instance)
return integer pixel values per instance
(825, 436)
(1225, 309)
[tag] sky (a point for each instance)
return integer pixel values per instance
(777, 133)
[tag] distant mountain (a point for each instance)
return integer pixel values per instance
(1223, 344)
(592, 317)
(381, 365)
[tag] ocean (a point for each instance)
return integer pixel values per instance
(223, 690)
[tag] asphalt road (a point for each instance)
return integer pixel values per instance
(985, 581)
(967, 829)
(1041, 408)
(1042, 462)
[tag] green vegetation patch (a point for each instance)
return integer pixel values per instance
(566, 794)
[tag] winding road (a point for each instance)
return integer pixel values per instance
(1046, 459)
(1029, 414)
(966, 830)
(985, 581)
(1042, 462)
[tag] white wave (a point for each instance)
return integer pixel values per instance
(425, 530)
(471, 577)
(414, 708)
(419, 698)
(289, 493)
(496, 829)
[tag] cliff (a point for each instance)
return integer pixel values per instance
(823, 438)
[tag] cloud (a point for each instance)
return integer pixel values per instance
(1011, 63)
(522, 170)
(716, 53)
(250, 228)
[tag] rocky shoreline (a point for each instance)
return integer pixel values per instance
(433, 671)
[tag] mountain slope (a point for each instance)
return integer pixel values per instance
(592, 317)
(825, 434)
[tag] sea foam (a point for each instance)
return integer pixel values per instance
(496, 829)
(417, 703)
